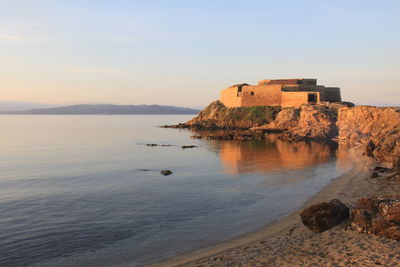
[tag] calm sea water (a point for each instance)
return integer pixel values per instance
(72, 194)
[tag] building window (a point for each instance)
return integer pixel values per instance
(312, 98)
(251, 93)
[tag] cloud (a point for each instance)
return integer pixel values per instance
(94, 70)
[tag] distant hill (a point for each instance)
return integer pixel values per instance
(107, 109)
(18, 106)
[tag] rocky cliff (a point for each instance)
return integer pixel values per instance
(306, 122)
(378, 129)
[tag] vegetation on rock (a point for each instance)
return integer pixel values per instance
(218, 116)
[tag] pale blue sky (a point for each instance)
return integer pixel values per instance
(184, 52)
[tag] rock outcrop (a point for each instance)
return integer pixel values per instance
(307, 122)
(377, 129)
(218, 116)
(323, 216)
(378, 216)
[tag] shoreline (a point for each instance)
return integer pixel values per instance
(283, 229)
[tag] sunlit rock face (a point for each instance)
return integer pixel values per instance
(307, 122)
(218, 116)
(378, 129)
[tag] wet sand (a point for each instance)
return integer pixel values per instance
(287, 242)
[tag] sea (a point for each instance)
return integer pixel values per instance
(87, 190)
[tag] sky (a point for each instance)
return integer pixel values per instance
(183, 52)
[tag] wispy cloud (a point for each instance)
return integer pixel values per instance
(141, 38)
(94, 70)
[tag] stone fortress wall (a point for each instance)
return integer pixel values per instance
(284, 92)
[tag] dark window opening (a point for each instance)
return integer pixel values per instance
(251, 93)
(312, 98)
(239, 91)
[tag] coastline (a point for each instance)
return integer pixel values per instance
(287, 241)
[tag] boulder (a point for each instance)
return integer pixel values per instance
(320, 217)
(379, 216)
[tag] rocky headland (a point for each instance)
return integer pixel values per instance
(376, 129)
(366, 234)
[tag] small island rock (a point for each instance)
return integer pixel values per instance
(166, 172)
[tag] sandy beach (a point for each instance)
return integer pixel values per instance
(287, 242)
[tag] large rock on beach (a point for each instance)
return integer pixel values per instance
(323, 216)
(379, 216)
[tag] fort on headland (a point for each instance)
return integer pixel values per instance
(282, 92)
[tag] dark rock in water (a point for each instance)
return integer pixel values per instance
(369, 148)
(178, 126)
(379, 216)
(184, 147)
(144, 170)
(320, 217)
(166, 172)
(158, 145)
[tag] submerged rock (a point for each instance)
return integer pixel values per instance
(158, 145)
(320, 217)
(184, 147)
(166, 172)
(379, 216)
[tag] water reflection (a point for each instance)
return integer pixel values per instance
(274, 154)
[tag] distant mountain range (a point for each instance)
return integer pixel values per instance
(107, 109)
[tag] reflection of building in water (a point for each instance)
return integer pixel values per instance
(272, 154)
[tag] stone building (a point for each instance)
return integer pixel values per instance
(285, 93)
